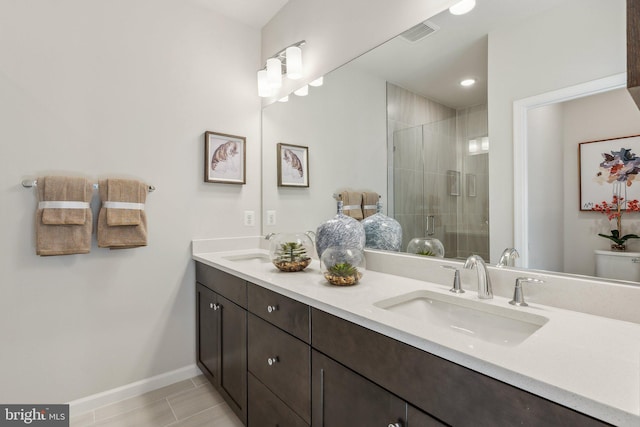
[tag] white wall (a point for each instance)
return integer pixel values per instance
(578, 42)
(124, 87)
(607, 115)
(343, 123)
(546, 172)
(337, 31)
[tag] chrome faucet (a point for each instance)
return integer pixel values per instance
(484, 282)
(508, 258)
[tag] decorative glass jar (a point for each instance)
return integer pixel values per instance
(343, 265)
(427, 246)
(341, 230)
(290, 251)
(382, 232)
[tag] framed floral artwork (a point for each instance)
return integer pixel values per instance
(293, 165)
(608, 168)
(224, 158)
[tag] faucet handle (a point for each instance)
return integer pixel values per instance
(457, 288)
(518, 294)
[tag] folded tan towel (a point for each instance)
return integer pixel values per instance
(61, 230)
(129, 234)
(62, 189)
(130, 192)
(369, 203)
(352, 204)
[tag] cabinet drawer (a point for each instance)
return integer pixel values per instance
(227, 285)
(428, 381)
(287, 314)
(265, 409)
(282, 363)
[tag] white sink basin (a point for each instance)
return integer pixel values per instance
(253, 258)
(489, 323)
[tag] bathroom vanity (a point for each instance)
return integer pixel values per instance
(293, 350)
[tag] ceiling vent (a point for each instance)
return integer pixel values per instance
(420, 31)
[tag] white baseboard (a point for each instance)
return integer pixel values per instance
(117, 394)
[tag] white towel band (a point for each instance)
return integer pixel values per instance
(351, 207)
(62, 204)
(123, 205)
(370, 207)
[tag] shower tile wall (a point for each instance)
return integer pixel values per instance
(420, 191)
(428, 141)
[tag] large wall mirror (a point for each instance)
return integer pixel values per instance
(397, 122)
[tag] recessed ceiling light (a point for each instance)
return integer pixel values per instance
(462, 7)
(467, 82)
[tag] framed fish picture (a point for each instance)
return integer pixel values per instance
(293, 165)
(225, 158)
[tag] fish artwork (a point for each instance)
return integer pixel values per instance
(223, 153)
(293, 161)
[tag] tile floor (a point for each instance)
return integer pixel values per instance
(188, 403)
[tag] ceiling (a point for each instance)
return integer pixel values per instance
(254, 13)
(434, 65)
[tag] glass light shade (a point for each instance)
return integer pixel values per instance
(274, 73)
(317, 82)
(485, 143)
(284, 99)
(264, 90)
(294, 62)
(462, 7)
(303, 91)
(473, 146)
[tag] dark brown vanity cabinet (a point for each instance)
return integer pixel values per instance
(221, 341)
(279, 360)
(448, 392)
(342, 398)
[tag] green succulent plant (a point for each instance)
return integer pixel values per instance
(291, 252)
(427, 253)
(343, 269)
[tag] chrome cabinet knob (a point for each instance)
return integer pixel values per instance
(272, 360)
(272, 308)
(210, 305)
(215, 306)
(395, 425)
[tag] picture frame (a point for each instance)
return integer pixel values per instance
(453, 182)
(293, 165)
(471, 185)
(593, 177)
(225, 158)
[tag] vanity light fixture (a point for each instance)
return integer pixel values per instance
(317, 82)
(303, 91)
(287, 62)
(462, 7)
(467, 82)
(478, 145)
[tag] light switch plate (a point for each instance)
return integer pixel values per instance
(271, 217)
(249, 218)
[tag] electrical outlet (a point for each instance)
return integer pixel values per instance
(249, 218)
(271, 217)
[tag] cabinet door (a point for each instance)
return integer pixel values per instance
(342, 398)
(207, 341)
(417, 418)
(233, 356)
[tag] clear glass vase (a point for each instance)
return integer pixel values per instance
(342, 265)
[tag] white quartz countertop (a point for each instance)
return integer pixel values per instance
(585, 362)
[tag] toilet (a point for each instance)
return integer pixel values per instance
(618, 265)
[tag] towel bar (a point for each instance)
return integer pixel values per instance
(28, 183)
